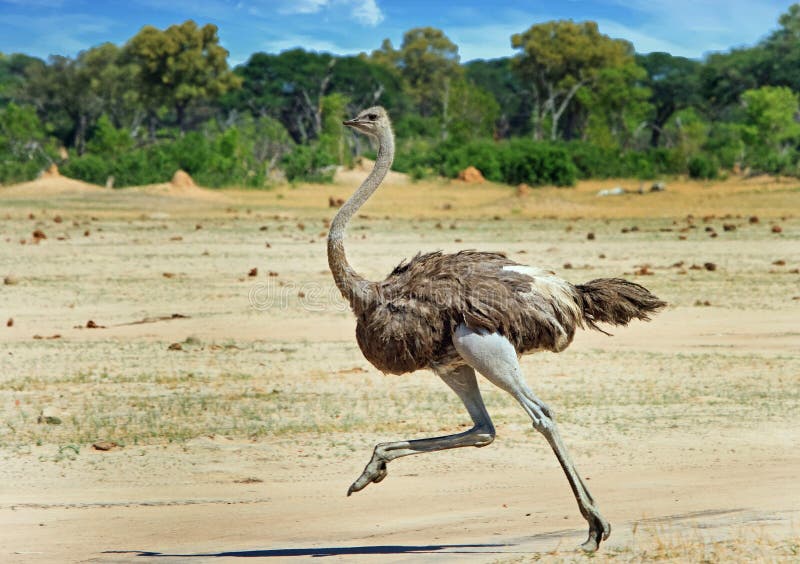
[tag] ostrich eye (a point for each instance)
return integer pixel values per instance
(372, 117)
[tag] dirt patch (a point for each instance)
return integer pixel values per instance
(471, 175)
(50, 185)
(253, 409)
(362, 167)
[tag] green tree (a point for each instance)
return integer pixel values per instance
(13, 69)
(25, 147)
(428, 62)
(292, 85)
(687, 130)
(287, 87)
(559, 58)
(468, 113)
(333, 139)
(725, 76)
(770, 113)
(61, 94)
(674, 83)
(497, 77)
(178, 67)
(617, 106)
(110, 78)
(783, 48)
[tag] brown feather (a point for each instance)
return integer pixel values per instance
(407, 322)
(616, 301)
(410, 319)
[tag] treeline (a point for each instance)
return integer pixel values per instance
(571, 103)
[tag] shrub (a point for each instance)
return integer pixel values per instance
(308, 164)
(511, 162)
(25, 148)
(702, 167)
(537, 164)
(89, 168)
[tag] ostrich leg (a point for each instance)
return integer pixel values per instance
(495, 358)
(462, 381)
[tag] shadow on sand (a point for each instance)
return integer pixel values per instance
(329, 551)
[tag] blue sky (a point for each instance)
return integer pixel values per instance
(481, 29)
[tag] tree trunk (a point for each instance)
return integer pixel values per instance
(151, 126)
(80, 134)
(655, 135)
(180, 113)
(445, 108)
(557, 113)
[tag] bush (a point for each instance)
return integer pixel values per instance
(593, 161)
(89, 168)
(309, 164)
(511, 162)
(25, 148)
(703, 167)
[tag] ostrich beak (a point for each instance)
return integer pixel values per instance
(350, 122)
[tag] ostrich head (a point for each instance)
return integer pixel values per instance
(373, 121)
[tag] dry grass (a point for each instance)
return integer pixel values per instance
(763, 196)
(292, 374)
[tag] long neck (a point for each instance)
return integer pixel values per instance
(355, 288)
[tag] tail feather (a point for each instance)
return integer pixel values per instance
(616, 301)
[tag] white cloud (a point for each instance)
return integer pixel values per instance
(366, 12)
(303, 6)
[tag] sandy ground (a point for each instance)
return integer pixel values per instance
(243, 409)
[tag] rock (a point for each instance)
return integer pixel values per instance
(590, 236)
(253, 272)
(104, 445)
(753, 219)
(335, 202)
(175, 347)
(710, 266)
(181, 179)
(777, 229)
(471, 175)
(615, 191)
(523, 190)
(10, 322)
(39, 234)
(10, 280)
(92, 325)
(728, 227)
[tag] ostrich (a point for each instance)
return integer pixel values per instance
(471, 311)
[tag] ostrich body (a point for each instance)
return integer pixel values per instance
(456, 314)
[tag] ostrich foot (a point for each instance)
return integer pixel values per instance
(599, 530)
(373, 473)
